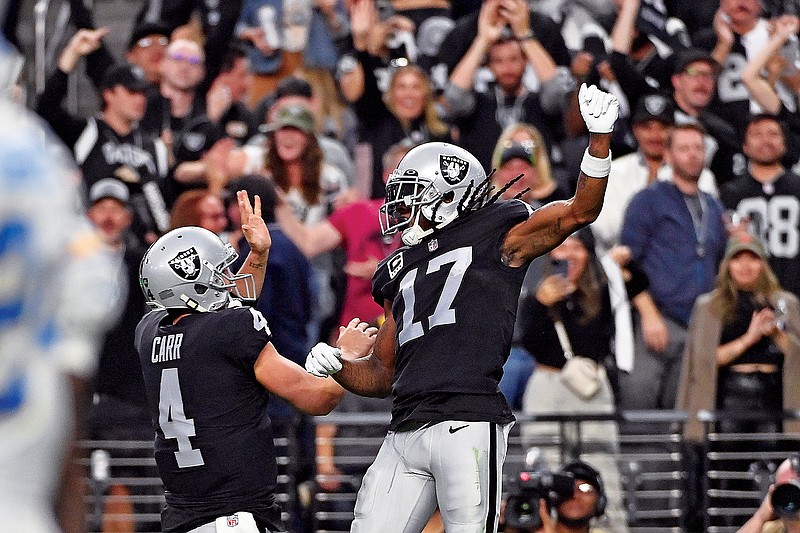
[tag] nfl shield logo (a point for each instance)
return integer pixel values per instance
(233, 520)
(433, 245)
(186, 264)
(454, 169)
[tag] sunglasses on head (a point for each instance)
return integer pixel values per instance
(146, 42)
(188, 58)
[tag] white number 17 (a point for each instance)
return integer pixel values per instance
(460, 258)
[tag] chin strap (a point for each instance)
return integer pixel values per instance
(414, 234)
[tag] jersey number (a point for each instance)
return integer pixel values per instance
(173, 420)
(460, 258)
(776, 221)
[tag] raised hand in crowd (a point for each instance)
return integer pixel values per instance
(83, 43)
(363, 17)
(516, 13)
(553, 289)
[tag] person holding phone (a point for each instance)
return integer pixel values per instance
(571, 315)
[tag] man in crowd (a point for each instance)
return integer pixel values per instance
(111, 144)
(481, 116)
(768, 196)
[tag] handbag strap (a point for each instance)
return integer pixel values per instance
(563, 339)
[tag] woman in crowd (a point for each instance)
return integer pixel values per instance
(295, 163)
(742, 359)
(521, 150)
(570, 321)
(743, 349)
(199, 207)
(406, 110)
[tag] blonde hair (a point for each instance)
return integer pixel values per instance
(726, 293)
(435, 125)
(542, 160)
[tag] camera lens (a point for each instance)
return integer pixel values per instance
(786, 499)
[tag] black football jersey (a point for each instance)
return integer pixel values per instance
(213, 442)
(774, 212)
(454, 302)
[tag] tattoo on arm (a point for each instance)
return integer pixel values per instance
(253, 264)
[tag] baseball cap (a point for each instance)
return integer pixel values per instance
(129, 76)
(515, 150)
(292, 86)
(744, 242)
(654, 107)
(292, 115)
(197, 140)
(109, 188)
(145, 29)
(692, 55)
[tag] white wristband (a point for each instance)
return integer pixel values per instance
(594, 167)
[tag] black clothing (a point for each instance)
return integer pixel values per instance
(762, 352)
(119, 372)
(378, 127)
(136, 159)
(450, 349)
(480, 130)
(460, 38)
(591, 339)
(774, 210)
(213, 443)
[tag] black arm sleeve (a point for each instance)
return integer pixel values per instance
(369, 108)
(99, 61)
(67, 127)
(217, 40)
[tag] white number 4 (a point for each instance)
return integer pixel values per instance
(461, 258)
(173, 420)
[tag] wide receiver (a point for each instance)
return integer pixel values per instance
(450, 299)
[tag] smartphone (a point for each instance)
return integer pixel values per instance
(559, 267)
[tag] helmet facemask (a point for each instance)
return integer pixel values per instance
(189, 268)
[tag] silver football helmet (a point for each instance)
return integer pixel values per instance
(187, 268)
(437, 181)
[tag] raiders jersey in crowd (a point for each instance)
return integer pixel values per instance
(774, 213)
(136, 159)
(454, 302)
(213, 442)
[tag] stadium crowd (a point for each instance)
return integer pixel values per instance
(683, 294)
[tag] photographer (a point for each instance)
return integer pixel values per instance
(780, 510)
(575, 492)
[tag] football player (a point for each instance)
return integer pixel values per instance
(208, 367)
(450, 299)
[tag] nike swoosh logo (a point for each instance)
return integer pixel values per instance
(459, 428)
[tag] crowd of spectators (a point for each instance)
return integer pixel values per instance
(311, 103)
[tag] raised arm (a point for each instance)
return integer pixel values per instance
(760, 89)
(257, 235)
(547, 227)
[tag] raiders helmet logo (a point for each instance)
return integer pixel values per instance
(186, 264)
(655, 104)
(194, 141)
(454, 169)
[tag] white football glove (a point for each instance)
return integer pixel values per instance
(323, 360)
(599, 109)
